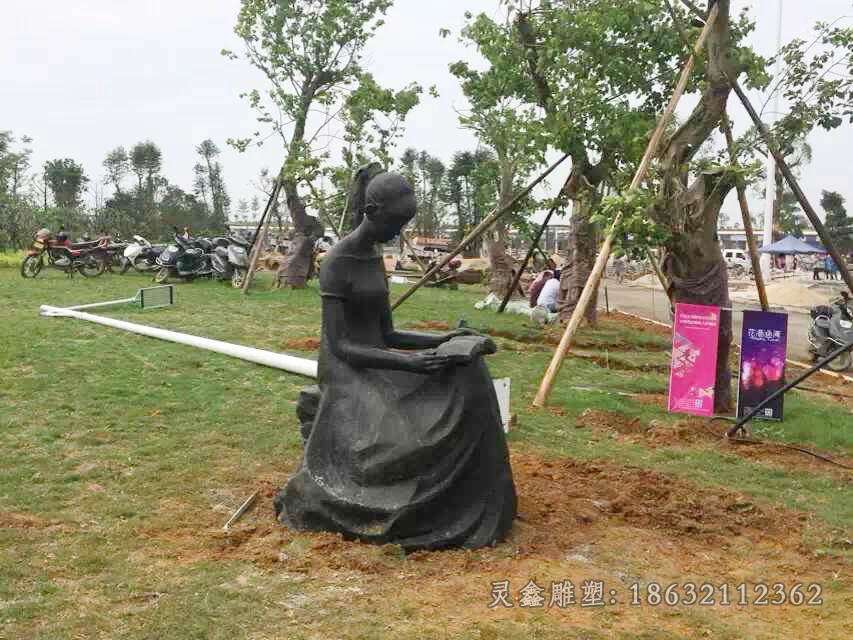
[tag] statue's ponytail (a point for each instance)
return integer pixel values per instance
(358, 191)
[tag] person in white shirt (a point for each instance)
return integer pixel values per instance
(548, 295)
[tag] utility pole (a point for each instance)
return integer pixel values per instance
(770, 164)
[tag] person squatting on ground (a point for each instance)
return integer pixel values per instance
(548, 296)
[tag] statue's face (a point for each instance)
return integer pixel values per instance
(388, 222)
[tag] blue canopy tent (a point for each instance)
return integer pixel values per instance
(789, 245)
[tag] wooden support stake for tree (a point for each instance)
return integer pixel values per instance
(747, 220)
(259, 237)
(532, 250)
(340, 228)
(600, 262)
(794, 185)
(408, 244)
(273, 195)
(658, 272)
(476, 232)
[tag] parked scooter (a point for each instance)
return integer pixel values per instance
(186, 259)
(61, 254)
(832, 327)
(232, 261)
(141, 255)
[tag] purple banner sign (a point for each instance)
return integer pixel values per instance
(694, 359)
(764, 341)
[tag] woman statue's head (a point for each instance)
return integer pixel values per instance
(384, 201)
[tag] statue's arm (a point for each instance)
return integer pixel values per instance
(368, 357)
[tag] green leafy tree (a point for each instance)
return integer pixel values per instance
(66, 181)
(310, 52)
(242, 210)
(117, 166)
(426, 175)
(209, 183)
(506, 121)
(17, 211)
(180, 209)
(790, 219)
(146, 160)
(471, 190)
(839, 225)
(373, 118)
(817, 86)
(566, 60)
(516, 138)
(686, 194)
(135, 210)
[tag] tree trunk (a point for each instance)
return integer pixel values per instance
(693, 262)
(696, 271)
(500, 264)
(583, 244)
(307, 230)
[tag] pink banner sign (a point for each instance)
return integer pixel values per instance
(694, 359)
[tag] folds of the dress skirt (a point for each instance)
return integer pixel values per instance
(415, 460)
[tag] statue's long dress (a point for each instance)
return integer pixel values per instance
(398, 457)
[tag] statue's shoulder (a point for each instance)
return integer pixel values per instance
(340, 266)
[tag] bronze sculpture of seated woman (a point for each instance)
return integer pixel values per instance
(407, 445)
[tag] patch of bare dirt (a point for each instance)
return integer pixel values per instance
(303, 344)
(434, 325)
(577, 520)
(608, 420)
(13, 520)
(651, 399)
(557, 499)
(543, 337)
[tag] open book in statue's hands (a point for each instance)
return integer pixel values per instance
(464, 349)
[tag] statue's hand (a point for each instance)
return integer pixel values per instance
(428, 362)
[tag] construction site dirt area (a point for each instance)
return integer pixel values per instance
(584, 523)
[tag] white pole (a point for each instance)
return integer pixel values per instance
(770, 164)
(292, 364)
(102, 304)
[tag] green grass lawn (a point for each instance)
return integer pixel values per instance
(109, 438)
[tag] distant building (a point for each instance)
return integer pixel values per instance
(554, 240)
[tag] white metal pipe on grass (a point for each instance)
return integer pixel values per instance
(291, 364)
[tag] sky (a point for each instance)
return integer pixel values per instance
(83, 77)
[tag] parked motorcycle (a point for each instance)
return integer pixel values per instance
(186, 259)
(61, 254)
(141, 255)
(106, 248)
(230, 262)
(832, 327)
(113, 254)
